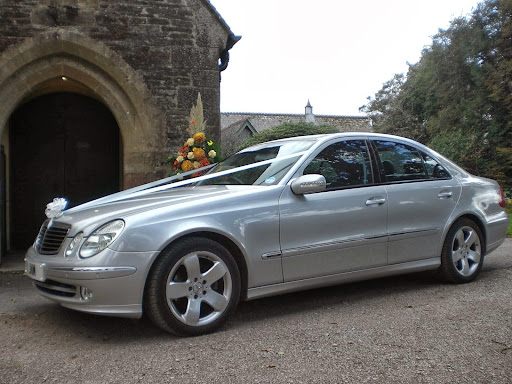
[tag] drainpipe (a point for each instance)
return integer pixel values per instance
(224, 56)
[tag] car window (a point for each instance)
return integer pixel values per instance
(400, 162)
(434, 169)
(343, 164)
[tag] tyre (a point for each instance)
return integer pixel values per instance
(463, 252)
(192, 288)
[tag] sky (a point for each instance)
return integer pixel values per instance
(334, 53)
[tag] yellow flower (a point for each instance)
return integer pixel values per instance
(199, 154)
(179, 159)
(187, 166)
(199, 137)
(190, 141)
(210, 143)
(190, 155)
(212, 154)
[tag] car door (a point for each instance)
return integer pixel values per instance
(340, 229)
(421, 196)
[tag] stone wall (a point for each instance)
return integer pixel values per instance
(149, 58)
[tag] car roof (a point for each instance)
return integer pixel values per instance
(328, 136)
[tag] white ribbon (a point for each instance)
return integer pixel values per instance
(177, 181)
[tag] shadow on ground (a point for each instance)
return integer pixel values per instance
(46, 316)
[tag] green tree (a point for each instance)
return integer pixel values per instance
(392, 113)
(458, 97)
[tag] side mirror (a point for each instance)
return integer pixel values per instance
(308, 184)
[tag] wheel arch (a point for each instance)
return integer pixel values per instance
(477, 220)
(227, 243)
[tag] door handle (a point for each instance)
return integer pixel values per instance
(445, 194)
(375, 201)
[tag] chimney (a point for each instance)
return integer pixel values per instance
(310, 118)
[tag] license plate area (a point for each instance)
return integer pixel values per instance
(35, 271)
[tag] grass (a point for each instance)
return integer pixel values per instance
(508, 209)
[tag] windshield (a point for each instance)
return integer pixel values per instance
(262, 165)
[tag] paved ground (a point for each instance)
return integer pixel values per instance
(408, 329)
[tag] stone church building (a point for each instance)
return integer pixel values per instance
(94, 94)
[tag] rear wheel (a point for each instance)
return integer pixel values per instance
(463, 252)
(193, 287)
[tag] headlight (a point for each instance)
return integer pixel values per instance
(101, 238)
(74, 244)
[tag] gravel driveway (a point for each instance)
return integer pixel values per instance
(406, 329)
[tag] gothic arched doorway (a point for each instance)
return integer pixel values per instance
(60, 145)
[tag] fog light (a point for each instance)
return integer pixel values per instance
(85, 293)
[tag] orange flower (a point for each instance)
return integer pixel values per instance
(192, 122)
(199, 137)
(187, 165)
(204, 162)
(199, 154)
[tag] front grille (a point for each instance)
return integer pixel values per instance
(55, 288)
(50, 237)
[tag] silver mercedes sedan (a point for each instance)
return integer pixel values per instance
(278, 217)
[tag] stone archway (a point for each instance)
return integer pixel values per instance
(41, 64)
(105, 76)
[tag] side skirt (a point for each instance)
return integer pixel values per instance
(341, 278)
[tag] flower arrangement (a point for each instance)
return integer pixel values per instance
(197, 151)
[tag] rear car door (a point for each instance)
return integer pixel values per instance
(421, 196)
(340, 229)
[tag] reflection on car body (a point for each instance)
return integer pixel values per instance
(278, 217)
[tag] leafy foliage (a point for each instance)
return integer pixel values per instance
(288, 130)
(458, 97)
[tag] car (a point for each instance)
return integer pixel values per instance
(278, 217)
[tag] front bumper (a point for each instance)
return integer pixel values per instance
(110, 283)
(78, 273)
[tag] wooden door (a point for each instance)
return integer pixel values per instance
(61, 145)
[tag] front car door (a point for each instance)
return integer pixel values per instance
(421, 197)
(338, 230)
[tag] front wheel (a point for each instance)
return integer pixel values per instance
(463, 252)
(192, 288)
